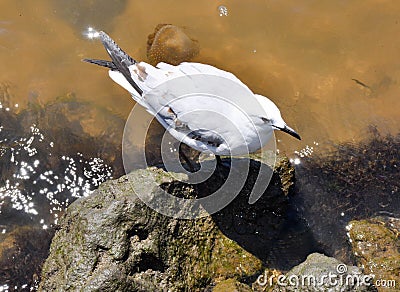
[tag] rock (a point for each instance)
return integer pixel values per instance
(111, 241)
(170, 44)
(317, 273)
(376, 246)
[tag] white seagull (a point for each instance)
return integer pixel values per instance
(197, 120)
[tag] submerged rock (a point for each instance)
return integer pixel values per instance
(22, 252)
(376, 246)
(170, 44)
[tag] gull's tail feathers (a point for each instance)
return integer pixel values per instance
(119, 66)
(120, 59)
(137, 78)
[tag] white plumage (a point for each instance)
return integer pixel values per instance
(200, 105)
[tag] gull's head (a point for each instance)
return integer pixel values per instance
(273, 117)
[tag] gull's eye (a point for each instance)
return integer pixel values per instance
(265, 120)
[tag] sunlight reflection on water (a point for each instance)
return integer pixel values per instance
(42, 172)
(27, 159)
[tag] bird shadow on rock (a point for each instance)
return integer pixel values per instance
(270, 229)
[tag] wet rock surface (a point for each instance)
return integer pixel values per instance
(111, 241)
(231, 285)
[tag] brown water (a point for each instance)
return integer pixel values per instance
(331, 66)
(302, 54)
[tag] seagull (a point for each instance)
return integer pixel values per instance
(198, 120)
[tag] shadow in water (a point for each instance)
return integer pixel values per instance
(82, 14)
(354, 181)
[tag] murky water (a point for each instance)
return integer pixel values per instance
(331, 67)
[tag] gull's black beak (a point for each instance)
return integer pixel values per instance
(290, 131)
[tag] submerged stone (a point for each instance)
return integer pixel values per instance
(22, 252)
(170, 44)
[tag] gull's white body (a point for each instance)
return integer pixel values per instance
(201, 111)
(208, 109)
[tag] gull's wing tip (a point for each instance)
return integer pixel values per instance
(105, 38)
(102, 63)
(103, 35)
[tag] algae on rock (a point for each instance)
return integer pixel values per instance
(376, 246)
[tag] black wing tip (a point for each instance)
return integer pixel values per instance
(102, 63)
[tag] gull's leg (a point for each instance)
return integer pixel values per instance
(187, 160)
(220, 163)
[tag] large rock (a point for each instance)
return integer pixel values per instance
(111, 241)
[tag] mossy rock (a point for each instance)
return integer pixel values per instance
(376, 246)
(111, 240)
